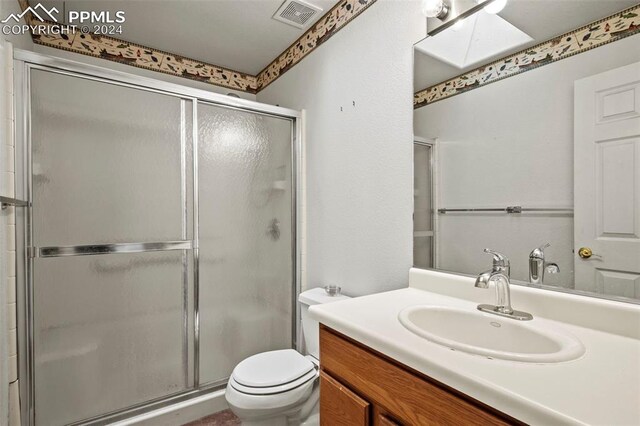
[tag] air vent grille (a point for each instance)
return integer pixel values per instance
(296, 12)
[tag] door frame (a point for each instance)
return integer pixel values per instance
(24, 62)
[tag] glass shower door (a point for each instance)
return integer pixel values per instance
(245, 237)
(160, 241)
(110, 227)
(423, 212)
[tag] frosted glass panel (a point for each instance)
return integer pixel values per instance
(423, 217)
(108, 333)
(423, 252)
(106, 162)
(422, 205)
(246, 290)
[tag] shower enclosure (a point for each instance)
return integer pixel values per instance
(160, 242)
(424, 252)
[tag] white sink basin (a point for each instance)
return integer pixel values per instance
(491, 336)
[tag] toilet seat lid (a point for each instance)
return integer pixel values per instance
(268, 369)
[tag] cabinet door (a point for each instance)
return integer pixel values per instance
(340, 406)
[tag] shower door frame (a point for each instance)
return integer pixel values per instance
(24, 62)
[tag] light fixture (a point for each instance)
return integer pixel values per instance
(483, 36)
(435, 8)
(495, 6)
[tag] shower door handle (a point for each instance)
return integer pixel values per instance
(96, 249)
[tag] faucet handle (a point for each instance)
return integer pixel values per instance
(544, 246)
(552, 268)
(499, 259)
(538, 253)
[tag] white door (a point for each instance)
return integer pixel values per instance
(607, 182)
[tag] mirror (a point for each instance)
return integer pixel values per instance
(527, 141)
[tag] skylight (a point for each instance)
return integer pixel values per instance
(474, 40)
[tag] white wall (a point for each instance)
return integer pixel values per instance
(359, 195)
(511, 143)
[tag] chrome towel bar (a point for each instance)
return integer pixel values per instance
(8, 201)
(511, 210)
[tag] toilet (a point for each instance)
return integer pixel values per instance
(278, 388)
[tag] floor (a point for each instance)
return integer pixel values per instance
(222, 418)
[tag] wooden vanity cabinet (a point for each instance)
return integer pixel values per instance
(342, 405)
(359, 386)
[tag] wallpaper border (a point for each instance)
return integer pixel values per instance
(125, 52)
(607, 30)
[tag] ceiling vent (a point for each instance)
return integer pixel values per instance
(297, 13)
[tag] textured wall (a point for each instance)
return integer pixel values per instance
(511, 143)
(357, 92)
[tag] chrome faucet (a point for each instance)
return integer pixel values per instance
(538, 266)
(500, 274)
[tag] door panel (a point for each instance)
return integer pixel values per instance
(616, 164)
(245, 233)
(108, 166)
(625, 284)
(607, 182)
(108, 333)
(106, 162)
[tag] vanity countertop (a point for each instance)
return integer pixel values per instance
(600, 388)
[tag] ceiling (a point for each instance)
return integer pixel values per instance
(540, 19)
(235, 34)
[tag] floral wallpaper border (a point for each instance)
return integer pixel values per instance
(596, 34)
(136, 55)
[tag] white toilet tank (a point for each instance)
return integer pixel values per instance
(310, 327)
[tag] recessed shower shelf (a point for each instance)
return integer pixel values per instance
(8, 201)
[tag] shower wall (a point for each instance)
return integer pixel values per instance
(162, 255)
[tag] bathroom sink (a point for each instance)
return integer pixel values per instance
(490, 336)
